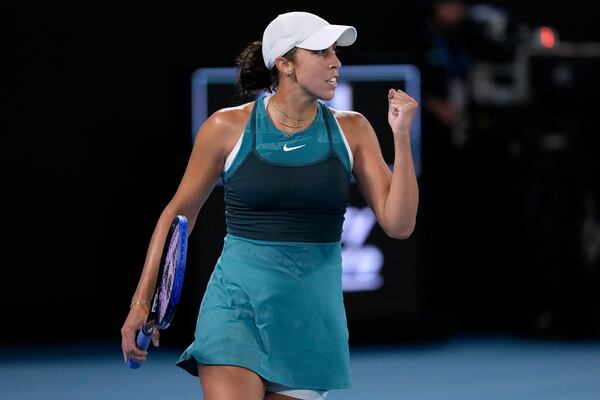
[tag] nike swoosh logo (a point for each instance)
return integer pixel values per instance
(285, 148)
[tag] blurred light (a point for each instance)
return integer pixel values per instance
(343, 97)
(547, 37)
(361, 263)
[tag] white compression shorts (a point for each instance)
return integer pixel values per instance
(304, 394)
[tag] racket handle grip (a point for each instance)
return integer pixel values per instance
(142, 342)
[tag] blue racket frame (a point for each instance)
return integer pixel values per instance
(145, 334)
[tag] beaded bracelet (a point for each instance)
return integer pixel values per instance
(139, 302)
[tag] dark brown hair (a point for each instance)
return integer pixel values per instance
(253, 75)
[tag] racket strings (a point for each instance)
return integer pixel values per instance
(168, 274)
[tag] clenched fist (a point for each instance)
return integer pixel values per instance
(401, 111)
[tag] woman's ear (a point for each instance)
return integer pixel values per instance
(284, 66)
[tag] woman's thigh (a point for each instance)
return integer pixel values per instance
(228, 382)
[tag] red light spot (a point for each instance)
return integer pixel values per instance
(547, 37)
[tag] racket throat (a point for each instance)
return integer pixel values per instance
(148, 327)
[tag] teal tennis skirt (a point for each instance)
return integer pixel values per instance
(277, 309)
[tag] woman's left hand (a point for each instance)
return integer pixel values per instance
(401, 111)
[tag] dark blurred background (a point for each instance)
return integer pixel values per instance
(96, 135)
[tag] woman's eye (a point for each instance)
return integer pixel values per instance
(325, 51)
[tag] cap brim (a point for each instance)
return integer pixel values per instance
(328, 35)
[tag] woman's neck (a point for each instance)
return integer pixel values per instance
(293, 109)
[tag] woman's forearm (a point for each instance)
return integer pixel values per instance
(401, 204)
(147, 282)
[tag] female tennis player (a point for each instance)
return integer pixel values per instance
(272, 323)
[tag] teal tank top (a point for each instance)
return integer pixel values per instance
(292, 189)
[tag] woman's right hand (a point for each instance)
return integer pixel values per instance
(135, 320)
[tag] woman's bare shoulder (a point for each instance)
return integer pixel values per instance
(232, 118)
(348, 117)
(227, 125)
(352, 123)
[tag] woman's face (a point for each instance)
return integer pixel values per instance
(317, 71)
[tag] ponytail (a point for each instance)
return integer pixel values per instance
(253, 75)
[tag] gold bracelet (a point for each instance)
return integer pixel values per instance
(139, 302)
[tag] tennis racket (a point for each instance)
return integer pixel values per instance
(168, 285)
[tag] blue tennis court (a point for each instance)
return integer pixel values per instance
(462, 368)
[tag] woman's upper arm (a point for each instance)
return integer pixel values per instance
(372, 174)
(204, 167)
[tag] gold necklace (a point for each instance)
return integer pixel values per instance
(288, 135)
(289, 116)
(294, 126)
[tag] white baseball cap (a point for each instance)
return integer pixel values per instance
(303, 30)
